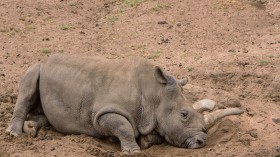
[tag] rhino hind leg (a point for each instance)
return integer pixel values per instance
(27, 100)
(116, 125)
(34, 123)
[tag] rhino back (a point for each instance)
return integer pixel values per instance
(73, 89)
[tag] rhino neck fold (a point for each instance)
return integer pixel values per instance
(148, 121)
(149, 92)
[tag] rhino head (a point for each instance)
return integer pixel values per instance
(180, 123)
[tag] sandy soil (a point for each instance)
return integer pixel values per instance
(229, 50)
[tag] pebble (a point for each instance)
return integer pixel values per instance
(168, 57)
(277, 148)
(276, 120)
(251, 113)
(162, 22)
(232, 103)
(232, 51)
(47, 138)
(243, 63)
(245, 50)
(110, 154)
(253, 133)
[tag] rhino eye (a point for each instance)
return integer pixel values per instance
(184, 114)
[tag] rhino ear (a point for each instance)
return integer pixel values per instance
(160, 75)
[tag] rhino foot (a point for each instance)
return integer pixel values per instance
(147, 141)
(128, 150)
(30, 127)
(14, 130)
(34, 123)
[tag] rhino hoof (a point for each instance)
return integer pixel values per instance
(144, 142)
(13, 132)
(30, 127)
(130, 151)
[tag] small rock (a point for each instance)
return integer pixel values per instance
(106, 5)
(8, 115)
(162, 22)
(220, 106)
(232, 103)
(180, 64)
(110, 154)
(259, 81)
(52, 149)
(271, 43)
(46, 39)
(22, 19)
(14, 96)
(276, 148)
(48, 138)
(276, 120)
(3, 99)
(232, 51)
(245, 51)
(243, 63)
(168, 57)
(253, 133)
(3, 30)
(251, 113)
(164, 40)
(225, 130)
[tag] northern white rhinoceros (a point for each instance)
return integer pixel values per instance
(126, 98)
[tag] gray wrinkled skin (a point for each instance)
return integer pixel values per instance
(126, 99)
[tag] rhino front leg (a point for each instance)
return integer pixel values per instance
(27, 98)
(146, 141)
(116, 125)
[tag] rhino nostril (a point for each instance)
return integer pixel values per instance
(195, 142)
(200, 142)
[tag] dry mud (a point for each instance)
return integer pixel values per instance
(229, 50)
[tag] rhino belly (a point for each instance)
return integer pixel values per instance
(67, 101)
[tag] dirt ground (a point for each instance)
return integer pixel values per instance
(229, 50)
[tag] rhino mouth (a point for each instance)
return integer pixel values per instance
(194, 142)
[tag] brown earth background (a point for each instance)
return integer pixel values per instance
(229, 50)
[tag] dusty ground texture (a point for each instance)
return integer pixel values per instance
(229, 50)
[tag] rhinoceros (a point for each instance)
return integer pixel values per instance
(133, 100)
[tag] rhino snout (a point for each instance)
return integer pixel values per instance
(195, 142)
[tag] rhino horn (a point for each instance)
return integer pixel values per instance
(211, 118)
(204, 105)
